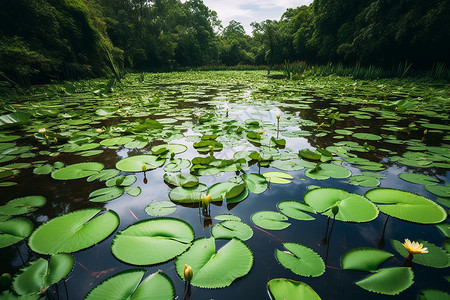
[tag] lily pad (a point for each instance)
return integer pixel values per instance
(296, 210)
(77, 171)
(129, 285)
(104, 175)
(366, 136)
(74, 231)
(351, 207)
(407, 206)
(364, 259)
(139, 163)
(301, 260)
(439, 190)
(436, 256)
(173, 148)
(160, 208)
(177, 164)
(283, 289)
(188, 195)
(326, 171)
(14, 230)
(418, 178)
(20, 206)
(106, 194)
(14, 119)
(255, 183)
(164, 238)
(362, 180)
(215, 270)
(390, 281)
(270, 220)
(183, 180)
(278, 177)
(232, 229)
(38, 275)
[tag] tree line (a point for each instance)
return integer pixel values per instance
(66, 39)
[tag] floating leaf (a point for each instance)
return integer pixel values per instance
(215, 270)
(296, 210)
(439, 190)
(351, 207)
(255, 183)
(20, 206)
(301, 260)
(160, 208)
(136, 163)
(14, 230)
(106, 194)
(174, 148)
(133, 190)
(129, 285)
(436, 256)
(364, 259)
(225, 217)
(429, 294)
(164, 238)
(362, 180)
(418, 178)
(177, 164)
(14, 119)
(188, 195)
(77, 171)
(183, 180)
(325, 171)
(39, 274)
(104, 175)
(390, 281)
(121, 181)
(74, 231)
(270, 220)
(287, 289)
(278, 177)
(366, 136)
(232, 229)
(407, 206)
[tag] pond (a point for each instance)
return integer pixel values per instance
(242, 177)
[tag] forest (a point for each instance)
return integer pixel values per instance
(45, 40)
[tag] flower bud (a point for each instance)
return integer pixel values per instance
(335, 209)
(144, 167)
(188, 273)
(42, 130)
(261, 131)
(206, 199)
(278, 116)
(99, 130)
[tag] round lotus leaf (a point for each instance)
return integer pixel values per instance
(20, 206)
(296, 210)
(288, 165)
(436, 256)
(351, 207)
(14, 230)
(282, 289)
(278, 177)
(366, 136)
(129, 285)
(74, 231)
(133, 190)
(77, 171)
(215, 270)
(39, 274)
(362, 180)
(418, 178)
(160, 208)
(106, 194)
(164, 238)
(232, 229)
(188, 195)
(364, 259)
(325, 171)
(407, 206)
(301, 260)
(183, 180)
(270, 220)
(139, 163)
(390, 281)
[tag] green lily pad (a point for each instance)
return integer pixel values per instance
(278, 177)
(366, 136)
(296, 210)
(225, 217)
(362, 180)
(104, 175)
(174, 148)
(40, 274)
(232, 229)
(160, 208)
(177, 164)
(326, 171)
(418, 178)
(20, 206)
(255, 183)
(139, 163)
(407, 206)
(121, 181)
(164, 238)
(430, 294)
(215, 270)
(364, 259)
(390, 281)
(283, 289)
(133, 191)
(288, 165)
(77, 171)
(439, 190)
(14, 119)
(188, 195)
(436, 256)
(14, 230)
(106, 194)
(129, 285)
(351, 207)
(301, 260)
(270, 220)
(183, 180)
(73, 232)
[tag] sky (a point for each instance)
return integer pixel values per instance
(248, 11)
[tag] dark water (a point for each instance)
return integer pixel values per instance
(97, 263)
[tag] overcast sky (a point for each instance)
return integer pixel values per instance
(247, 11)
